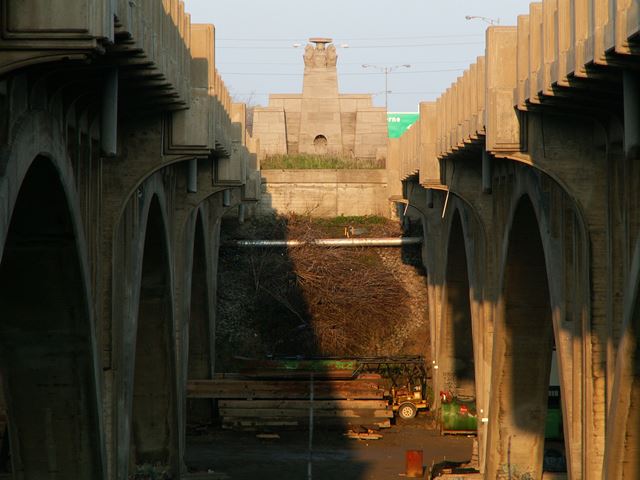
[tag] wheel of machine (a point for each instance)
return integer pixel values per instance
(407, 411)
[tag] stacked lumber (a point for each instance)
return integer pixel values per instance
(251, 403)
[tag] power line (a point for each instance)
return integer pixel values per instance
(343, 93)
(430, 62)
(278, 74)
(443, 44)
(343, 39)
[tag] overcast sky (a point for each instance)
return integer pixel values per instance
(255, 38)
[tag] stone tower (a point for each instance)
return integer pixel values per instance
(320, 123)
(320, 120)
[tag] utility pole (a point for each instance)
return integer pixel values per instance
(490, 21)
(386, 70)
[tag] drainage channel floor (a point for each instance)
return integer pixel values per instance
(243, 456)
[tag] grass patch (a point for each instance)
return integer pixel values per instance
(350, 220)
(304, 161)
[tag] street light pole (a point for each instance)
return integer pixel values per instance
(386, 70)
(386, 89)
(490, 21)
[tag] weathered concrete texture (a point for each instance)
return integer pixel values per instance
(325, 193)
(535, 147)
(321, 120)
(111, 192)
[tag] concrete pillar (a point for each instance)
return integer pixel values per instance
(192, 176)
(487, 172)
(631, 91)
(429, 198)
(242, 209)
(109, 125)
(522, 356)
(111, 20)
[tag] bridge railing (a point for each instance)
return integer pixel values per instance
(37, 31)
(559, 44)
(212, 125)
(223, 115)
(158, 32)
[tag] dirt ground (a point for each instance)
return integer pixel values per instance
(242, 456)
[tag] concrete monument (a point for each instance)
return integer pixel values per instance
(321, 120)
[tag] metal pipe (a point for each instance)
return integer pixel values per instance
(330, 242)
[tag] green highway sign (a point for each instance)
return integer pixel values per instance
(400, 122)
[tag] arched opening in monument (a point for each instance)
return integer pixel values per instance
(320, 144)
(154, 414)
(456, 360)
(199, 411)
(46, 357)
(526, 401)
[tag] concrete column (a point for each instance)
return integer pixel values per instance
(631, 90)
(429, 198)
(487, 172)
(241, 213)
(109, 125)
(192, 176)
(111, 20)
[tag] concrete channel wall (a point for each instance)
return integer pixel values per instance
(325, 193)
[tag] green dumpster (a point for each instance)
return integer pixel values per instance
(458, 416)
(553, 424)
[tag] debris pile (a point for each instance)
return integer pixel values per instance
(319, 301)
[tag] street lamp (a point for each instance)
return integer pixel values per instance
(386, 70)
(490, 21)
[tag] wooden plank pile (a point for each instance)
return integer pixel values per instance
(264, 403)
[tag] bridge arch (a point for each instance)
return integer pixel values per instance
(455, 353)
(200, 358)
(48, 359)
(154, 423)
(465, 231)
(146, 385)
(543, 259)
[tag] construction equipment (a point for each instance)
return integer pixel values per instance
(405, 378)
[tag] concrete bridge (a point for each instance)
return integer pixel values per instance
(525, 175)
(120, 150)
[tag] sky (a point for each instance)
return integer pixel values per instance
(256, 56)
